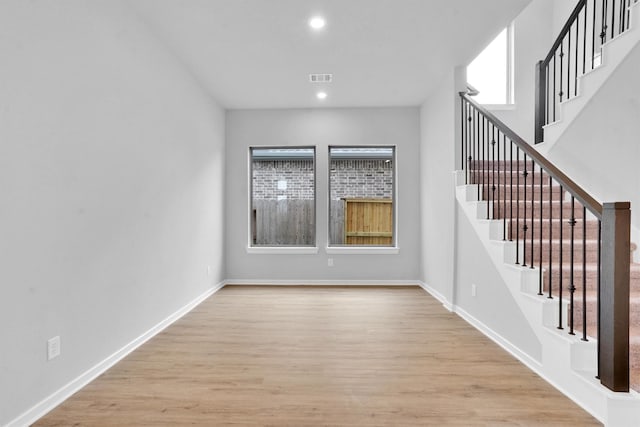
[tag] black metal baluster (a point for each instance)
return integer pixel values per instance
(476, 161)
(575, 76)
(471, 137)
(485, 190)
(511, 192)
(493, 171)
(561, 70)
(547, 112)
(517, 205)
(603, 34)
(584, 42)
(472, 142)
(462, 134)
(572, 288)
(593, 37)
(621, 17)
(550, 236)
(584, 274)
(533, 180)
(500, 179)
(560, 266)
(504, 190)
(569, 64)
(555, 94)
(469, 126)
(613, 17)
(524, 208)
(540, 243)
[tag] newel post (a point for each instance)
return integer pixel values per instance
(541, 101)
(613, 334)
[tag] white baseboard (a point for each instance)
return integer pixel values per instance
(306, 282)
(49, 403)
(437, 295)
(523, 357)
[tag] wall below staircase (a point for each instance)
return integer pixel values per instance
(452, 255)
(493, 308)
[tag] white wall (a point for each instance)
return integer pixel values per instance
(493, 305)
(111, 183)
(533, 37)
(452, 256)
(600, 149)
(561, 11)
(321, 128)
(438, 161)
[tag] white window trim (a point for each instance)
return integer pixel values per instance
(356, 249)
(286, 250)
(511, 98)
(283, 250)
(362, 250)
(510, 92)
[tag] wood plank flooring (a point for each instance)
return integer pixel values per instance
(319, 356)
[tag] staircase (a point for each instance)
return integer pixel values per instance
(564, 257)
(547, 245)
(597, 37)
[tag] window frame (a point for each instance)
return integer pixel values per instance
(365, 249)
(281, 249)
(510, 71)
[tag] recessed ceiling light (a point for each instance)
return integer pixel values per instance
(317, 22)
(321, 95)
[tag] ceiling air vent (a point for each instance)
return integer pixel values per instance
(320, 78)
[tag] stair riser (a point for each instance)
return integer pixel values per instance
(504, 209)
(508, 177)
(592, 312)
(502, 164)
(591, 252)
(591, 278)
(515, 228)
(517, 193)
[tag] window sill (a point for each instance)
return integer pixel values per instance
(363, 250)
(282, 250)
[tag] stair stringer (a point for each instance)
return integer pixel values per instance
(613, 53)
(566, 362)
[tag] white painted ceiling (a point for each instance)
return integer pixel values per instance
(259, 53)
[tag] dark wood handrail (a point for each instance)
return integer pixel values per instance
(567, 183)
(565, 29)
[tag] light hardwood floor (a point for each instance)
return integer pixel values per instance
(319, 356)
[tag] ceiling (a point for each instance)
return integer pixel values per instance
(259, 53)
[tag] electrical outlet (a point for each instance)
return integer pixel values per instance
(208, 270)
(53, 348)
(330, 262)
(474, 290)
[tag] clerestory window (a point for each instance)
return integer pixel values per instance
(491, 72)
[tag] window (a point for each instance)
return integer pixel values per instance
(491, 73)
(282, 197)
(361, 196)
